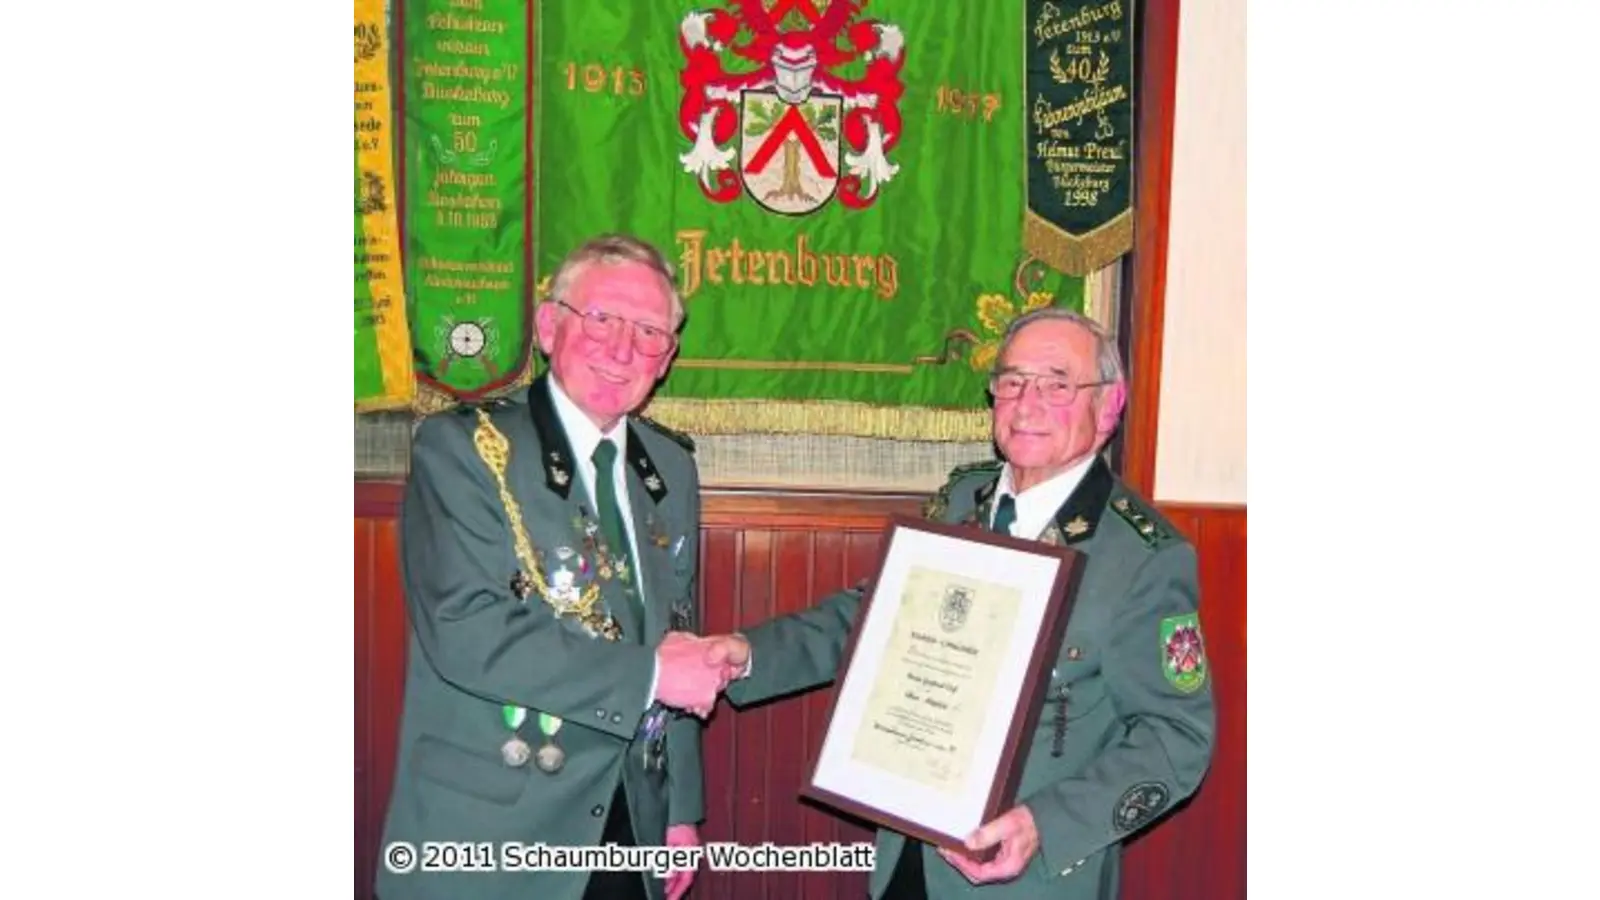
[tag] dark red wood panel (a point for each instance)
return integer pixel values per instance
(1200, 850)
(380, 654)
(363, 731)
(720, 575)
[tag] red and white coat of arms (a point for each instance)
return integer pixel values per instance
(792, 116)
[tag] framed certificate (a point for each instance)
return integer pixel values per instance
(943, 679)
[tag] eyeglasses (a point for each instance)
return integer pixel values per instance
(1056, 390)
(600, 326)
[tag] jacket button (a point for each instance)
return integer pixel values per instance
(599, 714)
(616, 718)
(597, 811)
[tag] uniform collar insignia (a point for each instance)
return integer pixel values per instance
(1079, 517)
(644, 467)
(557, 471)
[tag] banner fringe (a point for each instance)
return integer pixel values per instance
(1077, 255)
(386, 404)
(820, 417)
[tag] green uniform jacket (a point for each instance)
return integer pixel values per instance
(1138, 714)
(474, 645)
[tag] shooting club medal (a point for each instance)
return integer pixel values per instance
(551, 757)
(655, 744)
(514, 752)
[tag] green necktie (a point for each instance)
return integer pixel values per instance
(605, 497)
(1005, 514)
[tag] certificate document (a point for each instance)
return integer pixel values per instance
(938, 672)
(943, 679)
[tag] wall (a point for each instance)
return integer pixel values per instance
(1200, 455)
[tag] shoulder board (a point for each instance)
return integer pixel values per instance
(935, 506)
(1145, 523)
(677, 437)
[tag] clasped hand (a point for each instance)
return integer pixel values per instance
(692, 670)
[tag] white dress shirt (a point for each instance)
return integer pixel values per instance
(585, 436)
(1037, 505)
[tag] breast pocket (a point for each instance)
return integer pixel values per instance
(474, 773)
(1076, 678)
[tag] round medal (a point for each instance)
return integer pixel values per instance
(550, 758)
(515, 752)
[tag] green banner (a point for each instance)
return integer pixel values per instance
(842, 192)
(466, 138)
(1080, 132)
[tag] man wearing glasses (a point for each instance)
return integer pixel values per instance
(1126, 729)
(549, 544)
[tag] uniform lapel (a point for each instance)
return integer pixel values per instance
(577, 520)
(982, 498)
(555, 451)
(1078, 518)
(647, 487)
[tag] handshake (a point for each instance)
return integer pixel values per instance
(692, 671)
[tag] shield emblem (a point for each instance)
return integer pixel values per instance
(1183, 652)
(953, 612)
(789, 152)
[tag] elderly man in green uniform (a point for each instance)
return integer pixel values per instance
(1126, 729)
(548, 545)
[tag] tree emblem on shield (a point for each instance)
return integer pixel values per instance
(802, 131)
(789, 158)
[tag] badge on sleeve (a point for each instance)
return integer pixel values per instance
(1139, 805)
(1183, 653)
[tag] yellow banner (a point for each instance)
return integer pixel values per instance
(383, 367)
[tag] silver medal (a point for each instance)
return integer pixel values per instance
(655, 755)
(515, 752)
(550, 759)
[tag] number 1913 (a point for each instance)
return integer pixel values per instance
(595, 78)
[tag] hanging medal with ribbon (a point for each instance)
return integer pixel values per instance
(551, 757)
(655, 743)
(515, 751)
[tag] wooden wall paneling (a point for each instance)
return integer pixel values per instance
(363, 683)
(827, 573)
(380, 678)
(752, 769)
(788, 739)
(1200, 850)
(719, 591)
(389, 637)
(1222, 580)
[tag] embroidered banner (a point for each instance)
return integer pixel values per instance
(1080, 132)
(383, 369)
(843, 191)
(466, 165)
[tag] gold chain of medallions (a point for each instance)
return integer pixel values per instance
(495, 451)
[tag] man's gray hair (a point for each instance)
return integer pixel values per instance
(1108, 358)
(610, 249)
